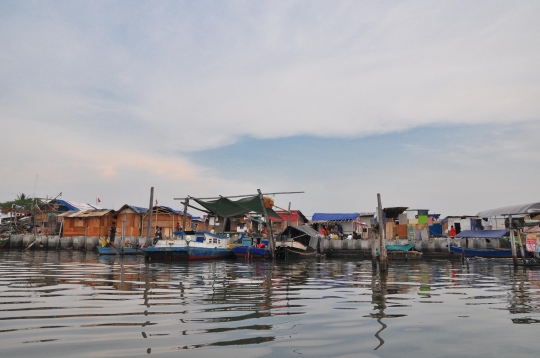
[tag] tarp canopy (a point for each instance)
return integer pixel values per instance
(303, 233)
(227, 208)
(334, 217)
(483, 234)
(511, 210)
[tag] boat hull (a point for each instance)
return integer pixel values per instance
(293, 253)
(491, 253)
(110, 251)
(167, 253)
(252, 252)
(205, 253)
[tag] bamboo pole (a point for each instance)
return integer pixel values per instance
(382, 232)
(241, 196)
(512, 241)
(267, 223)
(123, 241)
(184, 217)
(149, 225)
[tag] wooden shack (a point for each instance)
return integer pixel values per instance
(296, 218)
(166, 218)
(89, 223)
(134, 220)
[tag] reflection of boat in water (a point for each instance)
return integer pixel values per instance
(250, 249)
(127, 251)
(484, 252)
(191, 245)
(107, 249)
(297, 241)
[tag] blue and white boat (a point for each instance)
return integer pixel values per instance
(249, 249)
(191, 245)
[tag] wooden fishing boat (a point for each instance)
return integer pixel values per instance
(297, 242)
(249, 249)
(493, 253)
(483, 234)
(191, 245)
(403, 252)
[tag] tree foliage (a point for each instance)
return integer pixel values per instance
(22, 200)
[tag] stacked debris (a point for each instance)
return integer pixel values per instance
(21, 226)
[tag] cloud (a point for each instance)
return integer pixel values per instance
(101, 94)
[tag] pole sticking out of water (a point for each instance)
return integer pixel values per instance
(512, 241)
(123, 234)
(382, 232)
(186, 203)
(149, 225)
(270, 231)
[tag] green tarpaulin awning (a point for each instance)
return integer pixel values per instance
(227, 208)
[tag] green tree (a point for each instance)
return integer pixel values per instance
(22, 200)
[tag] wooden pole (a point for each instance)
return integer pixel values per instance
(267, 223)
(521, 246)
(149, 224)
(184, 217)
(289, 215)
(382, 232)
(123, 241)
(373, 241)
(512, 241)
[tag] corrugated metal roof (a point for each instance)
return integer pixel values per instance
(511, 210)
(74, 206)
(334, 217)
(174, 211)
(85, 214)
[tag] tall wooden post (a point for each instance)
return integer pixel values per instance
(186, 203)
(123, 241)
(150, 211)
(512, 241)
(373, 240)
(267, 223)
(382, 232)
(289, 215)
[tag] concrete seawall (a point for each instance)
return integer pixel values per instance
(82, 243)
(345, 247)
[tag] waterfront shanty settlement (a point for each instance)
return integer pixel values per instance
(511, 231)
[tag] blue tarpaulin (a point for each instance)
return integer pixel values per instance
(483, 234)
(435, 230)
(334, 217)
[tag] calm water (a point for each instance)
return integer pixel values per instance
(65, 304)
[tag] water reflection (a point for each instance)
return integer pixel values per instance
(53, 301)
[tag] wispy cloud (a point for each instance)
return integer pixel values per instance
(153, 82)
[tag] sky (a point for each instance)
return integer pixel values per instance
(434, 105)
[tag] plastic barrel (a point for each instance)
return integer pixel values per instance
(91, 243)
(66, 242)
(16, 240)
(53, 242)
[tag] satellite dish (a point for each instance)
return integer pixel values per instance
(188, 238)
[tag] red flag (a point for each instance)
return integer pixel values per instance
(98, 200)
(156, 202)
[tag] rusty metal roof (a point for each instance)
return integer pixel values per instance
(86, 214)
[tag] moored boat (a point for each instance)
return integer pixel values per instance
(298, 242)
(191, 245)
(483, 252)
(249, 249)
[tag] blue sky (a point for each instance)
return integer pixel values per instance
(431, 104)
